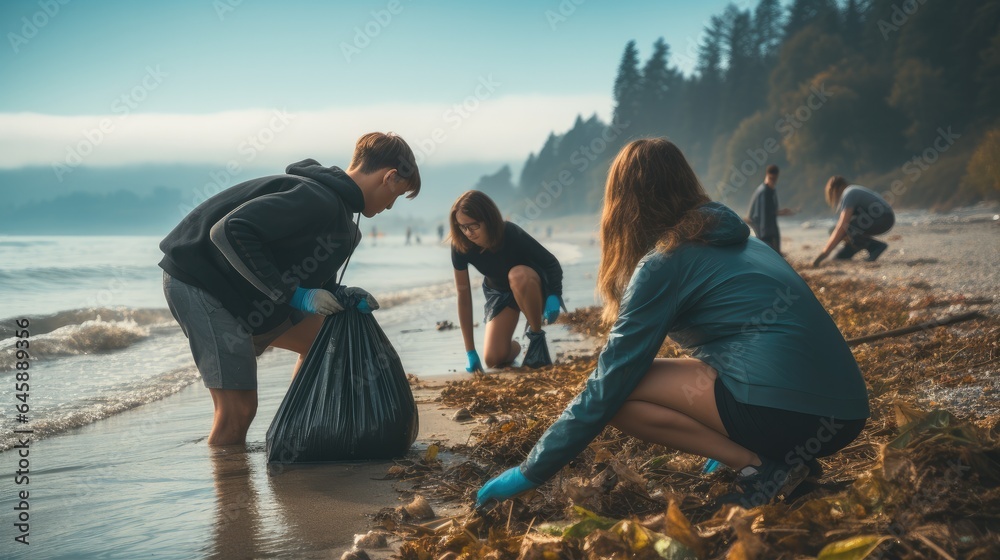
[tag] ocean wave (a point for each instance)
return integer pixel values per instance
(112, 401)
(88, 337)
(396, 298)
(71, 275)
(43, 324)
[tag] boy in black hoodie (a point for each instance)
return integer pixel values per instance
(255, 266)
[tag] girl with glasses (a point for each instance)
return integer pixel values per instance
(521, 276)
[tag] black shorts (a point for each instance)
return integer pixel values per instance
(781, 435)
(497, 301)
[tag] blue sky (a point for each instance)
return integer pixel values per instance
(193, 81)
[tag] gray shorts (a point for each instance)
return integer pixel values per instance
(225, 357)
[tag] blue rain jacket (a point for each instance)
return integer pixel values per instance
(732, 302)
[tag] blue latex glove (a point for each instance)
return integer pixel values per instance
(474, 363)
(315, 301)
(507, 485)
(551, 312)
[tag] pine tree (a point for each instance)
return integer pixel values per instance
(657, 87)
(740, 96)
(627, 86)
(852, 22)
(802, 13)
(767, 28)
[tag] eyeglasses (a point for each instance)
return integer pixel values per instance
(466, 228)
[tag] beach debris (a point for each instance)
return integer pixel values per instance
(432, 452)
(355, 554)
(934, 323)
(462, 415)
(920, 482)
(371, 539)
(445, 325)
(920, 261)
(419, 508)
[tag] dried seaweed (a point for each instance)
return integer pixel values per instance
(919, 482)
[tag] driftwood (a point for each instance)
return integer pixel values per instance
(939, 322)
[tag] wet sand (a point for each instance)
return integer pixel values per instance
(144, 483)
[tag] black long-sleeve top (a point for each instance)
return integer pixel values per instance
(517, 248)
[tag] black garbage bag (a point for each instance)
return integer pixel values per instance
(537, 354)
(350, 400)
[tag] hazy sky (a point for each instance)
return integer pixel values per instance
(112, 82)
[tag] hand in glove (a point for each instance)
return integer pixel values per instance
(366, 303)
(474, 363)
(315, 301)
(551, 312)
(509, 484)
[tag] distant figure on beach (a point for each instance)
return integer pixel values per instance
(520, 276)
(764, 210)
(440, 233)
(548, 232)
(409, 233)
(771, 386)
(862, 213)
(255, 266)
(374, 235)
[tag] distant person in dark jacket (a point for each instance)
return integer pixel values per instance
(764, 210)
(521, 276)
(861, 214)
(255, 266)
(771, 384)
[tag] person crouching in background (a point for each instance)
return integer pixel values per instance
(862, 213)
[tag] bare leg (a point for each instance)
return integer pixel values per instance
(674, 405)
(300, 337)
(527, 288)
(234, 411)
(499, 349)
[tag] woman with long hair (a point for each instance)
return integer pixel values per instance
(521, 276)
(771, 384)
(861, 214)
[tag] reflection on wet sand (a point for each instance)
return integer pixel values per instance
(325, 505)
(237, 519)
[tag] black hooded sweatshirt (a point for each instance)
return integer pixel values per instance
(254, 243)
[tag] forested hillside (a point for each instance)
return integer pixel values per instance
(901, 96)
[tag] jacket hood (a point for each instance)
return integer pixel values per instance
(725, 228)
(333, 177)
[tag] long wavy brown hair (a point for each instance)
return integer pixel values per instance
(834, 188)
(649, 201)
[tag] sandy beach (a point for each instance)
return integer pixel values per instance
(144, 483)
